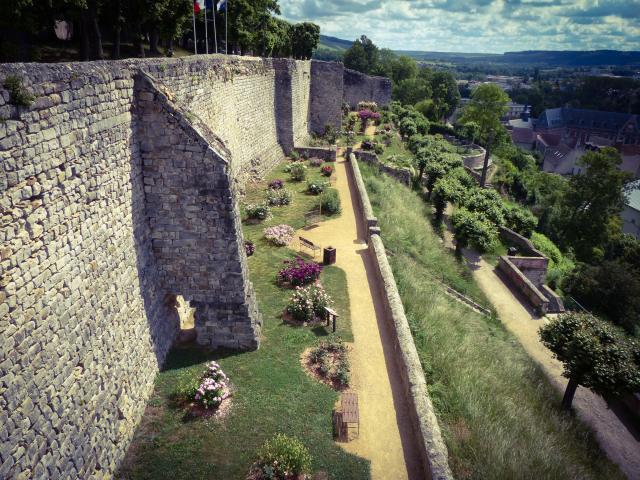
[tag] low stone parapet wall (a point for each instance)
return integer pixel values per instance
(403, 175)
(328, 154)
(518, 279)
(474, 161)
(423, 418)
(525, 244)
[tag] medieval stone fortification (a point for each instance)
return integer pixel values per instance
(119, 190)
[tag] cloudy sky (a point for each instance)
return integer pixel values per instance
(492, 26)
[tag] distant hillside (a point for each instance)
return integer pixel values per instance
(333, 48)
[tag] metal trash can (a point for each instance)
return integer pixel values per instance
(329, 256)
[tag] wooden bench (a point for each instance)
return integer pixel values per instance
(346, 418)
(304, 243)
(311, 218)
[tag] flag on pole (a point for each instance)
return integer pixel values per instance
(198, 5)
(222, 6)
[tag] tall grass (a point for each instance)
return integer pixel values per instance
(498, 412)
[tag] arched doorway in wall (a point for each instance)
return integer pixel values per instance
(186, 317)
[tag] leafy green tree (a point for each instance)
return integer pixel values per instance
(447, 189)
(363, 56)
(411, 91)
(487, 105)
(591, 205)
(403, 68)
(306, 37)
(472, 229)
(408, 127)
(488, 202)
(520, 219)
(445, 93)
(611, 288)
(594, 354)
(438, 165)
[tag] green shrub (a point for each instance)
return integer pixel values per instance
(294, 155)
(18, 94)
(315, 187)
(560, 266)
(284, 456)
(331, 202)
(258, 211)
(520, 219)
(298, 172)
(278, 198)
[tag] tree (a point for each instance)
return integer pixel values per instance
(403, 68)
(306, 37)
(471, 228)
(520, 219)
(594, 354)
(363, 56)
(445, 93)
(439, 164)
(487, 202)
(487, 105)
(592, 203)
(411, 91)
(447, 189)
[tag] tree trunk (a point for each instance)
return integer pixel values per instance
(95, 28)
(458, 248)
(485, 167)
(117, 31)
(169, 47)
(567, 400)
(84, 36)
(138, 45)
(153, 42)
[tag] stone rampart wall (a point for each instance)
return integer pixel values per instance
(358, 87)
(118, 190)
(519, 280)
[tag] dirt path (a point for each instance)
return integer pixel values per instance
(386, 436)
(616, 434)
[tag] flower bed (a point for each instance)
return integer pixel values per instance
(282, 458)
(329, 363)
(298, 272)
(280, 235)
(258, 211)
(326, 170)
(307, 303)
(279, 198)
(249, 248)
(213, 388)
(298, 171)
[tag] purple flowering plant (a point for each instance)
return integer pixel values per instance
(276, 184)
(368, 115)
(298, 272)
(249, 247)
(213, 388)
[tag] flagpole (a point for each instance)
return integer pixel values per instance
(195, 40)
(226, 43)
(215, 35)
(206, 34)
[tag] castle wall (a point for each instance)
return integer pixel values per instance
(118, 191)
(358, 87)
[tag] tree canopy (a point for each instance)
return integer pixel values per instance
(594, 354)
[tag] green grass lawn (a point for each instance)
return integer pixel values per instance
(272, 393)
(499, 415)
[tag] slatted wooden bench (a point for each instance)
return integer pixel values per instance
(305, 243)
(311, 218)
(346, 418)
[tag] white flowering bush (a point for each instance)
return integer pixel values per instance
(259, 211)
(280, 235)
(307, 303)
(213, 388)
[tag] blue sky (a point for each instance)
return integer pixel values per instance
(477, 25)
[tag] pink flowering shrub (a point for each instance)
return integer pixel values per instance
(307, 303)
(298, 272)
(368, 115)
(315, 161)
(213, 388)
(280, 235)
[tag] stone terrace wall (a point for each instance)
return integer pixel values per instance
(326, 95)
(118, 191)
(358, 87)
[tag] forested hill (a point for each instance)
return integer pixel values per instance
(336, 47)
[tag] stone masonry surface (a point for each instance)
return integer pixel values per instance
(119, 189)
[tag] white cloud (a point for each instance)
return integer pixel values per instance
(492, 26)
